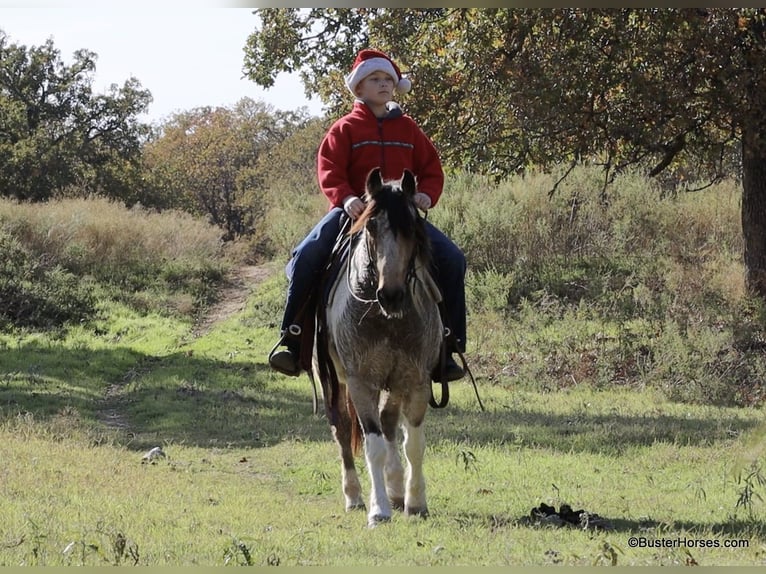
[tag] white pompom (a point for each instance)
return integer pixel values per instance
(404, 86)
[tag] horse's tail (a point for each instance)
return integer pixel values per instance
(357, 434)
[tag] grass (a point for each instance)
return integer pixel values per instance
(68, 252)
(282, 500)
(252, 476)
(643, 290)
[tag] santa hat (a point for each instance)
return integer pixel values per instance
(369, 61)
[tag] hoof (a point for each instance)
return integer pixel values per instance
(374, 521)
(421, 512)
(355, 506)
(397, 503)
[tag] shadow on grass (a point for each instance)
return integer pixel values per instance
(578, 431)
(647, 528)
(44, 379)
(212, 403)
(199, 401)
(181, 398)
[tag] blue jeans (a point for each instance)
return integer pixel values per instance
(312, 254)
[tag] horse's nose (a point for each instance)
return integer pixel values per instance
(391, 299)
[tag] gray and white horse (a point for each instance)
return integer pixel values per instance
(383, 333)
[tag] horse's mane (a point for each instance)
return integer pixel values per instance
(400, 208)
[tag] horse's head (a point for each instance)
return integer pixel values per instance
(395, 237)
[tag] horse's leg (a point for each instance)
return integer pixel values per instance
(365, 400)
(375, 453)
(414, 450)
(394, 472)
(352, 489)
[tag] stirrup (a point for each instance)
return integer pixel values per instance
(290, 338)
(450, 371)
(285, 361)
(292, 332)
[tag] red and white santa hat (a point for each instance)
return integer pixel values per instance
(369, 61)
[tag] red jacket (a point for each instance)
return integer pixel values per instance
(359, 142)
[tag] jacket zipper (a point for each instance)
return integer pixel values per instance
(382, 148)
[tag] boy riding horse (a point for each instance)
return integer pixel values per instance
(375, 134)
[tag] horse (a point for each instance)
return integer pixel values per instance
(382, 332)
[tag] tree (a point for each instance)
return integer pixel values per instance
(501, 90)
(209, 161)
(55, 133)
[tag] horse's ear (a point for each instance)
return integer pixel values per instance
(408, 183)
(374, 182)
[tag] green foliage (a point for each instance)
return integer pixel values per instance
(575, 84)
(56, 134)
(576, 383)
(164, 261)
(290, 38)
(212, 162)
(292, 203)
(676, 92)
(751, 482)
(642, 290)
(36, 294)
(639, 290)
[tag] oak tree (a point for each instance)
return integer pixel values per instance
(211, 161)
(56, 135)
(501, 90)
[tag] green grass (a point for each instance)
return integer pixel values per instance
(618, 356)
(252, 475)
(61, 257)
(670, 475)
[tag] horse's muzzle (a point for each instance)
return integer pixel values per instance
(391, 300)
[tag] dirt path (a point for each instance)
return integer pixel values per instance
(232, 299)
(233, 296)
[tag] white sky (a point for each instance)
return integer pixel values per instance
(186, 53)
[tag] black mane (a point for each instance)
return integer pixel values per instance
(403, 216)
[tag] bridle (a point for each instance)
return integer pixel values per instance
(410, 278)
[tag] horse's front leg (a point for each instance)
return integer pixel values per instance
(365, 400)
(414, 450)
(375, 451)
(394, 472)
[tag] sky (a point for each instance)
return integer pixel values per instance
(187, 53)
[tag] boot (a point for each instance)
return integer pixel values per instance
(452, 371)
(287, 359)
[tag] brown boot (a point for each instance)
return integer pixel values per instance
(452, 371)
(287, 359)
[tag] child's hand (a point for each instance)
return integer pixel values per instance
(422, 201)
(354, 207)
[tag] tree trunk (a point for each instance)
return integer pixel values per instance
(754, 208)
(754, 160)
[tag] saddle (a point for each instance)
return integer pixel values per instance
(312, 320)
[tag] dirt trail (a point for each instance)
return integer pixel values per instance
(233, 296)
(232, 299)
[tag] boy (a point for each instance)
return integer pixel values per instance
(374, 134)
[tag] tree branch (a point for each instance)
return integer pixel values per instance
(671, 151)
